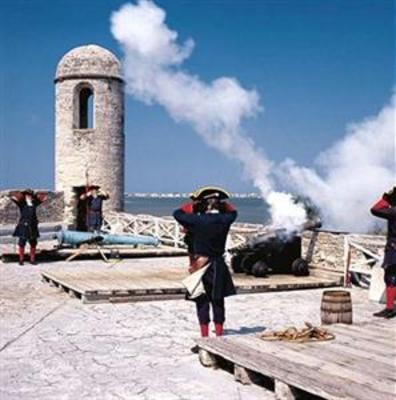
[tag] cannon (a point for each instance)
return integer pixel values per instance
(274, 250)
(77, 238)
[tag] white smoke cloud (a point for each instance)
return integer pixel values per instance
(153, 75)
(349, 175)
(285, 212)
(352, 173)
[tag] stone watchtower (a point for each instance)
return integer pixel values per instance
(89, 128)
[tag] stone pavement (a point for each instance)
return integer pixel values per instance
(55, 347)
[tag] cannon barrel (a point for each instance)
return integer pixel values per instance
(270, 234)
(75, 238)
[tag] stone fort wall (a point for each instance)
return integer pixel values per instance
(326, 249)
(89, 150)
(94, 156)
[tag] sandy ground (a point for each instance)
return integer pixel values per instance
(55, 347)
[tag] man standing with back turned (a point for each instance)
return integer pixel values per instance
(208, 230)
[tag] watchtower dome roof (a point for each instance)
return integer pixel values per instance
(88, 61)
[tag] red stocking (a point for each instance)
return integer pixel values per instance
(32, 254)
(219, 329)
(21, 253)
(204, 330)
(390, 297)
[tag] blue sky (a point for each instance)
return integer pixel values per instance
(317, 65)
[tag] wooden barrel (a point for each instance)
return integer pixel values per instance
(336, 307)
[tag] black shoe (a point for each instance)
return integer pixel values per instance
(33, 262)
(195, 349)
(20, 262)
(382, 313)
(391, 314)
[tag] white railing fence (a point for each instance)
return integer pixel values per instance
(166, 229)
(361, 253)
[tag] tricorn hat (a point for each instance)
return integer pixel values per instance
(390, 196)
(28, 191)
(93, 187)
(210, 192)
(392, 191)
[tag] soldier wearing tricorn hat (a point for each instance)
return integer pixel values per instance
(208, 219)
(94, 197)
(386, 208)
(27, 227)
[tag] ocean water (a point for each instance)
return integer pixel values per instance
(249, 210)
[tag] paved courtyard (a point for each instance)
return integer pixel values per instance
(54, 347)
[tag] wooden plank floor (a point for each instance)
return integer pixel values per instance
(358, 364)
(104, 284)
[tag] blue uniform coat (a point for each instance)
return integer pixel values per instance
(27, 226)
(383, 210)
(95, 213)
(209, 233)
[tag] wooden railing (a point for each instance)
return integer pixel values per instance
(166, 229)
(361, 253)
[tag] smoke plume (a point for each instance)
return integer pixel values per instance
(153, 74)
(215, 110)
(350, 173)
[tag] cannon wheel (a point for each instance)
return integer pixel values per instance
(248, 261)
(236, 264)
(300, 267)
(260, 269)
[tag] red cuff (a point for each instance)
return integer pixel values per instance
(42, 197)
(228, 207)
(187, 208)
(380, 204)
(18, 196)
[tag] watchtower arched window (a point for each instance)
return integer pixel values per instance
(86, 108)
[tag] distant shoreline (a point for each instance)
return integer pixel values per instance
(250, 209)
(177, 195)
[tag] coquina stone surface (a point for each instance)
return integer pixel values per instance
(55, 347)
(50, 211)
(89, 153)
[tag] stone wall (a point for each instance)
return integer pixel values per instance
(325, 249)
(50, 211)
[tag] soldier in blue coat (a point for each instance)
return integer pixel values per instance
(94, 197)
(208, 232)
(27, 226)
(386, 208)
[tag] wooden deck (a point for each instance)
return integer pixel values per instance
(158, 281)
(358, 364)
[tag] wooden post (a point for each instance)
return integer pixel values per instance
(347, 260)
(283, 391)
(207, 359)
(156, 228)
(242, 375)
(177, 236)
